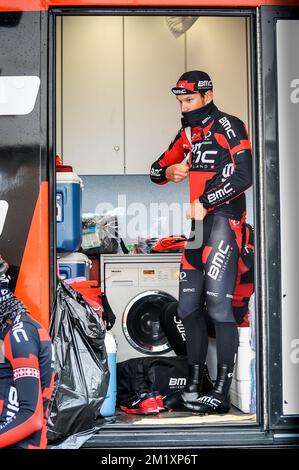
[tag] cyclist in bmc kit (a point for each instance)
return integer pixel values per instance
(26, 373)
(213, 150)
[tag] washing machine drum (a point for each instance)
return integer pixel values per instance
(141, 322)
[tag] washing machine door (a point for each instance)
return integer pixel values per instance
(141, 322)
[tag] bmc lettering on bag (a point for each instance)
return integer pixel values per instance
(227, 127)
(218, 261)
(177, 382)
(220, 193)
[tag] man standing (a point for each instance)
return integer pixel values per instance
(26, 373)
(217, 158)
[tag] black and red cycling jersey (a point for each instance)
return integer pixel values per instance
(218, 153)
(26, 383)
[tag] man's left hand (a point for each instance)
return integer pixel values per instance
(196, 211)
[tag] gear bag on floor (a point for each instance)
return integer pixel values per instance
(81, 368)
(147, 374)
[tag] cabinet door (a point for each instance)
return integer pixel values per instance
(92, 95)
(154, 60)
(224, 58)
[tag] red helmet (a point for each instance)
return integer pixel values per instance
(172, 244)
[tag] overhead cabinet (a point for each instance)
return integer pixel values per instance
(92, 94)
(117, 112)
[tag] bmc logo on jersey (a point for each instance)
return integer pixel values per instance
(227, 127)
(18, 330)
(220, 193)
(203, 158)
(228, 170)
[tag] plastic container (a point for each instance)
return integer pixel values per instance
(73, 265)
(68, 211)
(241, 386)
(108, 406)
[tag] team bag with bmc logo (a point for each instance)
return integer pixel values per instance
(147, 374)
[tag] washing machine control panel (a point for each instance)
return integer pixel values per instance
(146, 275)
(156, 276)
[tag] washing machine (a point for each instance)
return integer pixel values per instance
(137, 286)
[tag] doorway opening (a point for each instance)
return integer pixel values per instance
(115, 115)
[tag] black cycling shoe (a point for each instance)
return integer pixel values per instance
(174, 402)
(211, 402)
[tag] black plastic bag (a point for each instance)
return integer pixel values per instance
(81, 366)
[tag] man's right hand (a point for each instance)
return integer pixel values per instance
(177, 172)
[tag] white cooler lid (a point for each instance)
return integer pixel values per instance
(73, 258)
(68, 177)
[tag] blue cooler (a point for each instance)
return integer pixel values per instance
(73, 265)
(68, 211)
(108, 406)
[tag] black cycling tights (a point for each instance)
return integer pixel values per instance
(208, 271)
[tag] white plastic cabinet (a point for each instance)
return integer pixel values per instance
(92, 94)
(218, 46)
(153, 61)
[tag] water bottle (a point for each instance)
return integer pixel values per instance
(108, 406)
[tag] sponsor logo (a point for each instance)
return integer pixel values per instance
(220, 193)
(206, 119)
(213, 402)
(18, 330)
(183, 275)
(156, 171)
(213, 294)
(177, 381)
(227, 127)
(228, 170)
(204, 83)
(218, 261)
(235, 222)
(135, 402)
(203, 158)
(229, 375)
(13, 404)
(189, 289)
(4, 293)
(181, 92)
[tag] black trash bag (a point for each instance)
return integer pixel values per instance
(81, 366)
